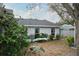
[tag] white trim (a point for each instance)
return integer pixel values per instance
(41, 25)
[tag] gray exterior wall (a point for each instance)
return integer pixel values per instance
(67, 30)
(57, 31)
(31, 31)
(45, 30)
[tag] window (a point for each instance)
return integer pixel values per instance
(36, 32)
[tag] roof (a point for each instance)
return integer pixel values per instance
(37, 23)
(65, 26)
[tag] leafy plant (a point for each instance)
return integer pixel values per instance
(51, 37)
(42, 35)
(13, 37)
(70, 40)
(37, 35)
(57, 37)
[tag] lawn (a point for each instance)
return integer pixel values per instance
(54, 48)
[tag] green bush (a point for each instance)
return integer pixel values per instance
(13, 38)
(42, 35)
(57, 37)
(62, 36)
(37, 35)
(51, 37)
(70, 40)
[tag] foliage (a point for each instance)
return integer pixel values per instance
(35, 51)
(69, 12)
(66, 17)
(51, 37)
(13, 37)
(70, 40)
(37, 35)
(42, 35)
(57, 37)
(62, 36)
(69, 22)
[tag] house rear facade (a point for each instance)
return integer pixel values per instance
(40, 26)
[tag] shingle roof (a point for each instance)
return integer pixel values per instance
(35, 22)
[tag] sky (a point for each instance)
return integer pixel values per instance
(34, 11)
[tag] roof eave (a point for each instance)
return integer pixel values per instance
(41, 26)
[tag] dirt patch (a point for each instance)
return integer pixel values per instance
(54, 48)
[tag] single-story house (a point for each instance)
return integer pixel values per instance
(40, 26)
(46, 27)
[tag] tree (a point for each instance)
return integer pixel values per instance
(13, 37)
(63, 13)
(71, 13)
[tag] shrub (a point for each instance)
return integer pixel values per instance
(62, 36)
(42, 35)
(70, 40)
(51, 37)
(37, 35)
(13, 38)
(57, 37)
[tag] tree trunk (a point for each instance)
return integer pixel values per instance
(77, 36)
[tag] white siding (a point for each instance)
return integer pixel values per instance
(72, 32)
(67, 32)
(56, 31)
(1, 4)
(31, 31)
(45, 30)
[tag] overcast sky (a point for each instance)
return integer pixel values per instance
(40, 11)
